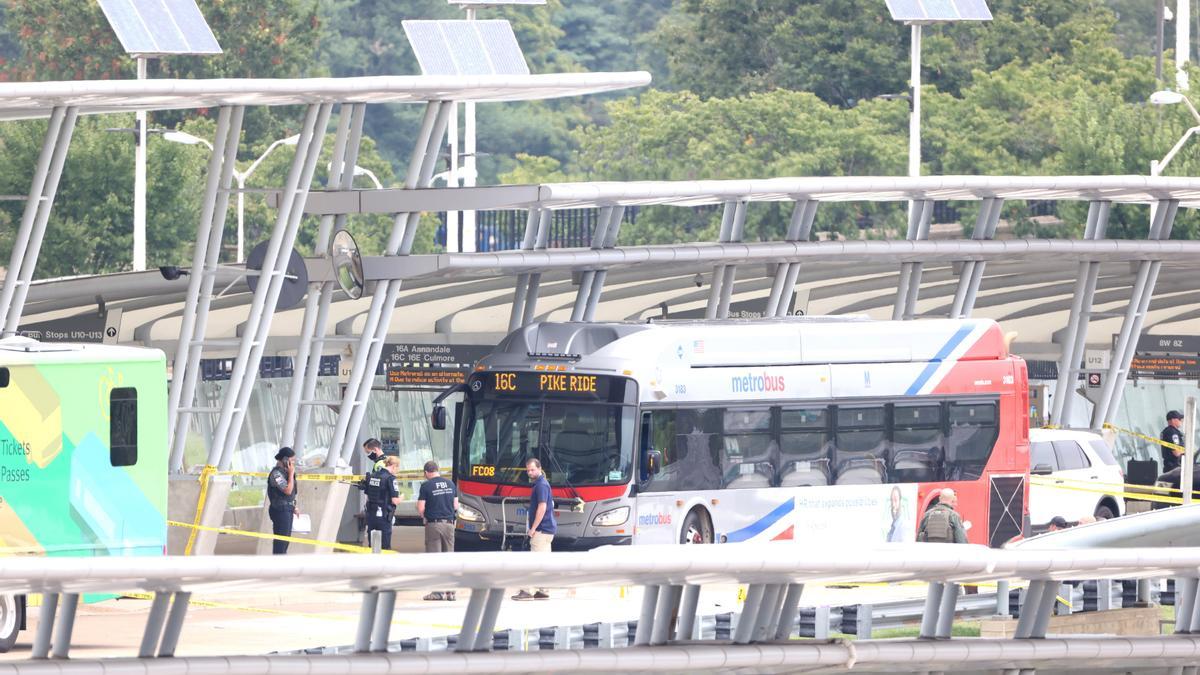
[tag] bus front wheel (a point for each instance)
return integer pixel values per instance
(696, 529)
(10, 621)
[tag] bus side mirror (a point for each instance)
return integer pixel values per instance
(653, 462)
(438, 417)
(1042, 470)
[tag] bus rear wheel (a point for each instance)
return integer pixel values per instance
(10, 621)
(696, 529)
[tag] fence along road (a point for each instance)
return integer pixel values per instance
(672, 577)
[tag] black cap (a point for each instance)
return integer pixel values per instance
(1059, 522)
(285, 452)
(1174, 415)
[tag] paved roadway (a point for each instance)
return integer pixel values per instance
(252, 622)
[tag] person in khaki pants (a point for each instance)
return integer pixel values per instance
(437, 503)
(542, 525)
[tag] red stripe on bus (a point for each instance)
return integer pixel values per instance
(588, 494)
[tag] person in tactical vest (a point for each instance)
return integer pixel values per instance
(382, 497)
(941, 522)
(1172, 438)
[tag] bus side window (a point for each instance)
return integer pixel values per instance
(861, 445)
(122, 428)
(973, 432)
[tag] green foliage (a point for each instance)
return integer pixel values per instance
(845, 51)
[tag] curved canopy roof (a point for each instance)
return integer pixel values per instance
(24, 100)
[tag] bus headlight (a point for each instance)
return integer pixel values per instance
(467, 513)
(612, 517)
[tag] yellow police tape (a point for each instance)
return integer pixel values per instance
(351, 548)
(209, 471)
(1141, 492)
(1144, 437)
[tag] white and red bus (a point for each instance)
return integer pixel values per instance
(807, 429)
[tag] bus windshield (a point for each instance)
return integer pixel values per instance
(577, 443)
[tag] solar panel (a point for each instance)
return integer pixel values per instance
(939, 10)
(160, 26)
(466, 47)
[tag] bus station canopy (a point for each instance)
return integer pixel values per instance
(26, 100)
(1118, 189)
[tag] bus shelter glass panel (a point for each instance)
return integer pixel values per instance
(973, 433)
(861, 446)
(804, 446)
(918, 444)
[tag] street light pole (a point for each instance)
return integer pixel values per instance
(139, 182)
(914, 119)
(1171, 98)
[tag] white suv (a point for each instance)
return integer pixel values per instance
(1072, 459)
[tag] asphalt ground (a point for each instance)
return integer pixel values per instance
(247, 622)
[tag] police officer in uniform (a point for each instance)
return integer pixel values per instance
(437, 503)
(382, 497)
(374, 450)
(1173, 434)
(281, 497)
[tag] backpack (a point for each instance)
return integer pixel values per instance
(937, 526)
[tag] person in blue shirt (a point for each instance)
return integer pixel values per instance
(542, 526)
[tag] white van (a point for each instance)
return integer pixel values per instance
(1072, 458)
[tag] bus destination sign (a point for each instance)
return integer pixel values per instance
(567, 385)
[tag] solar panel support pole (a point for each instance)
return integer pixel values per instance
(205, 256)
(311, 345)
(787, 611)
(171, 632)
(784, 285)
(139, 182)
(914, 118)
(929, 617)
(45, 629)
(645, 624)
(1077, 322)
(686, 624)
(28, 242)
(383, 301)
(1161, 222)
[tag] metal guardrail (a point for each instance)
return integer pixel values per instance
(821, 622)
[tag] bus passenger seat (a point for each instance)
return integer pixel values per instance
(860, 471)
(800, 473)
(752, 475)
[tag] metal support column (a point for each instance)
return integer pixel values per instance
(972, 270)
(1185, 601)
(1045, 609)
(383, 301)
(1135, 315)
(1194, 624)
(768, 613)
(45, 629)
(748, 623)
(487, 622)
(945, 623)
(28, 241)
(174, 627)
(262, 308)
(66, 625)
(668, 601)
(470, 622)
(383, 621)
(909, 287)
(154, 624)
(1030, 607)
(1075, 335)
(686, 623)
(591, 283)
(646, 619)
(366, 622)
(784, 285)
(733, 222)
(206, 254)
(311, 343)
(787, 612)
(929, 616)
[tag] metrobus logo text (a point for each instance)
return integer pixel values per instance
(751, 383)
(652, 519)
